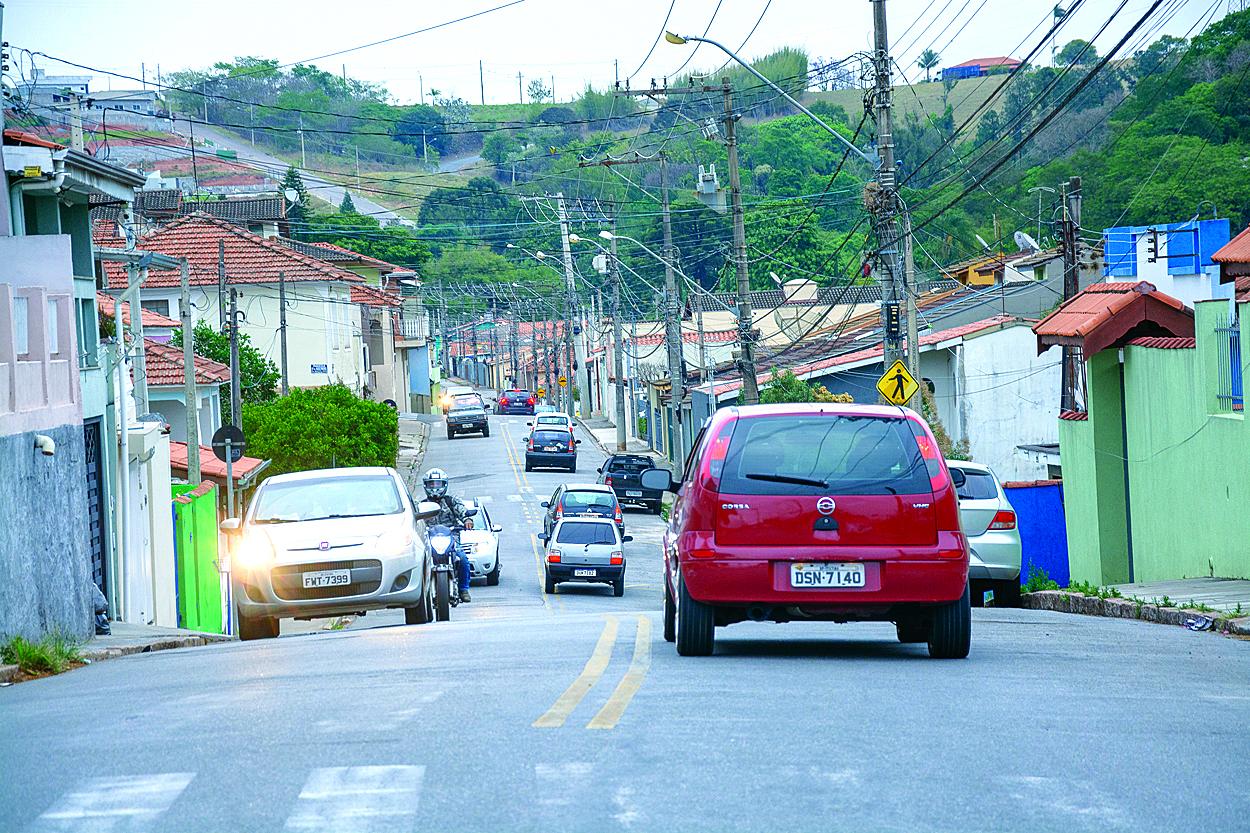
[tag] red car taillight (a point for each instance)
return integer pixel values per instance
(553, 557)
(618, 513)
(718, 451)
(572, 445)
(530, 401)
(503, 402)
(1005, 519)
(616, 558)
(607, 481)
(559, 512)
(931, 455)
(529, 443)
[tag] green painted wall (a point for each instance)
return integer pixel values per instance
(1188, 466)
(195, 541)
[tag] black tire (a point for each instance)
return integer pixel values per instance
(451, 435)
(1007, 593)
(670, 614)
(528, 467)
(573, 468)
(257, 627)
(442, 596)
(549, 584)
(486, 431)
(658, 508)
(492, 578)
(950, 636)
(696, 625)
(911, 631)
(618, 587)
(415, 614)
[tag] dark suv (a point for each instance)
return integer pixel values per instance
(551, 448)
(467, 418)
(622, 473)
(517, 402)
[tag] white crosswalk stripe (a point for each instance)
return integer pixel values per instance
(114, 804)
(359, 799)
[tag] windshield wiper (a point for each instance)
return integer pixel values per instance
(786, 478)
(275, 520)
(335, 517)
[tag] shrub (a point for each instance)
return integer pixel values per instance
(321, 428)
(1039, 580)
(50, 655)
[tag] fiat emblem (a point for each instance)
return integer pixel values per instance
(825, 506)
(325, 545)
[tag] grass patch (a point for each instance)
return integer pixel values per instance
(1038, 580)
(52, 654)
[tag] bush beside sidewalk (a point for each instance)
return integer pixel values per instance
(125, 639)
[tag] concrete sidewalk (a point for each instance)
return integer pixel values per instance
(1227, 595)
(129, 638)
(603, 432)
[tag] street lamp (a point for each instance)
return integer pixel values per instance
(1039, 189)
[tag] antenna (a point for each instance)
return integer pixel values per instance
(1024, 241)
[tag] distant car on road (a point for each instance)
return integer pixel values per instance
(545, 408)
(517, 401)
(551, 448)
(481, 544)
(448, 396)
(587, 550)
(468, 418)
(582, 500)
(989, 521)
(816, 512)
(474, 398)
(554, 419)
(622, 473)
(330, 542)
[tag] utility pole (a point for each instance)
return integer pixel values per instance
(236, 392)
(672, 325)
(75, 124)
(519, 94)
(286, 379)
(1070, 238)
(913, 313)
(188, 378)
(442, 300)
(221, 285)
(577, 357)
(251, 117)
(618, 357)
(746, 333)
(481, 81)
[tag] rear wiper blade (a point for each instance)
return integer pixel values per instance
(786, 478)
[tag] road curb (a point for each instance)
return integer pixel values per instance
(165, 643)
(1118, 608)
(9, 673)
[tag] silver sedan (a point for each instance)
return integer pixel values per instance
(989, 521)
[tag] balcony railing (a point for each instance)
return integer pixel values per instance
(414, 327)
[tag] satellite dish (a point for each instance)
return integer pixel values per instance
(1024, 241)
(292, 196)
(981, 240)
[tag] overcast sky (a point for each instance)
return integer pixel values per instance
(574, 41)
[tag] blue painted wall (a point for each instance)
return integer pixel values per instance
(419, 370)
(1040, 519)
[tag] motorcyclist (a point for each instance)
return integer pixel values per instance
(451, 513)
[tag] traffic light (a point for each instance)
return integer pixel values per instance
(893, 322)
(1152, 245)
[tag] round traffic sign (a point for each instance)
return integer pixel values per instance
(231, 437)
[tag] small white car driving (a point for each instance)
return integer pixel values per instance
(481, 544)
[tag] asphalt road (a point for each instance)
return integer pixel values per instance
(572, 713)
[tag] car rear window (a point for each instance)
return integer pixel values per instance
(549, 437)
(633, 463)
(553, 419)
(848, 455)
(577, 501)
(516, 394)
(586, 533)
(467, 409)
(978, 485)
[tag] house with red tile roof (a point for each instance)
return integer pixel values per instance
(167, 388)
(324, 341)
(156, 326)
(1155, 459)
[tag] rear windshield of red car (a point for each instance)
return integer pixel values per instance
(551, 437)
(823, 454)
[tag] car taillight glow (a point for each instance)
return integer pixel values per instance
(1005, 519)
(930, 454)
(529, 401)
(718, 451)
(618, 512)
(504, 402)
(607, 481)
(553, 557)
(572, 445)
(617, 557)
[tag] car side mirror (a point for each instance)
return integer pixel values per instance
(469, 513)
(230, 526)
(530, 424)
(427, 509)
(599, 470)
(958, 478)
(626, 539)
(542, 536)
(545, 504)
(496, 528)
(657, 480)
(579, 442)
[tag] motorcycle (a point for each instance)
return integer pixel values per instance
(445, 547)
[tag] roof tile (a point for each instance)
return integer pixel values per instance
(107, 305)
(1165, 343)
(210, 466)
(1236, 250)
(164, 366)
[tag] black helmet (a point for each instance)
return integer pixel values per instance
(435, 482)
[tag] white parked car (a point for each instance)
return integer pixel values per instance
(330, 542)
(989, 521)
(481, 544)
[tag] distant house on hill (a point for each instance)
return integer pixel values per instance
(977, 67)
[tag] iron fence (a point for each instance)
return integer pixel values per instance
(1228, 340)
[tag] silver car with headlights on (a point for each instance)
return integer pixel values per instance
(330, 542)
(989, 521)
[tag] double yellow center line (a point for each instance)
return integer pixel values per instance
(619, 700)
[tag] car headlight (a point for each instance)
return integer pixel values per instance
(255, 551)
(440, 543)
(396, 542)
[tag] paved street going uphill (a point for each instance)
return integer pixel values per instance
(570, 712)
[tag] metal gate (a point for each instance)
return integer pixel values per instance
(95, 503)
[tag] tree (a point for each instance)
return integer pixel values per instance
(927, 61)
(988, 128)
(321, 428)
(297, 211)
(365, 235)
(420, 126)
(785, 387)
(1077, 51)
(258, 376)
(347, 206)
(498, 146)
(537, 91)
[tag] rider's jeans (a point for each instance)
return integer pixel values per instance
(462, 568)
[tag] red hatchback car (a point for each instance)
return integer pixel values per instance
(815, 511)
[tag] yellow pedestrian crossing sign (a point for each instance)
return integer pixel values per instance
(897, 385)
